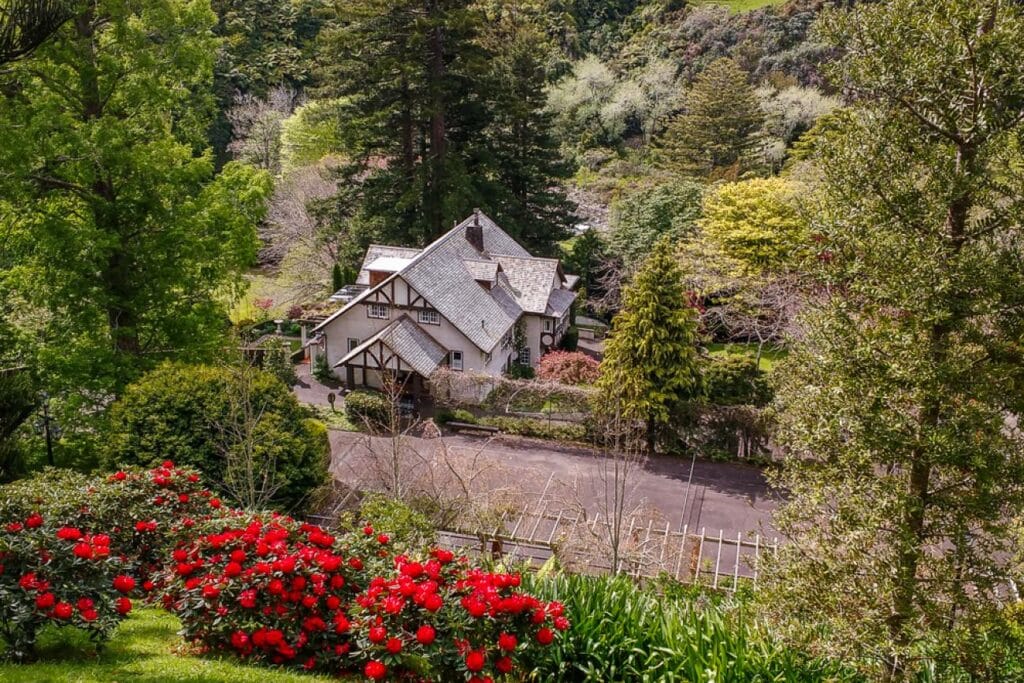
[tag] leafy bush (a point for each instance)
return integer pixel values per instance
(364, 407)
(540, 429)
(278, 362)
(213, 418)
(276, 591)
(736, 380)
(322, 369)
(457, 415)
(519, 371)
(646, 214)
(623, 632)
(73, 549)
(568, 368)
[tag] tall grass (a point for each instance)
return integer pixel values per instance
(621, 632)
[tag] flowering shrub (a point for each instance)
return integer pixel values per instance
(277, 591)
(568, 367)
(59, 575)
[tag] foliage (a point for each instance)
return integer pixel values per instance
(458, 103)
(407, 529)
(368, 408)
(520, 371)
(17, 403)
(623, 632)
(716, 131)
(310, 134)
(583, 257)
(277, 360)
(904, 480)
(736, 380)
(642, 217)
(276, 591)
(568, 367)
(322, 370)
(73, 548)
(536, 428)
(650, 364)
(219, 418)
(120, 210)
(757, 224)
(570, 341)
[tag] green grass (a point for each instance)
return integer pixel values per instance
(769, 357)
(334, 419)
(145, 648)
(743, 5)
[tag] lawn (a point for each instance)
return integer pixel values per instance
(769, 356)
(145, 648)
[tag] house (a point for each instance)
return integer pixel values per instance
(474, 301)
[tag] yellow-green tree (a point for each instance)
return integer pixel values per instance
(756, 223)
(650, 366)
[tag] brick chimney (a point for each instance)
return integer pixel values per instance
(475, 232)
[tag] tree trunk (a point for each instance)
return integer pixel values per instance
(438, 141)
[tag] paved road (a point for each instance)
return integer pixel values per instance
(733, 498)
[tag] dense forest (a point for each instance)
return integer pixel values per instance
(831, 184)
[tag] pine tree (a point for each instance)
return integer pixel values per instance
(904, 470)
(650, 367)
(717, 129)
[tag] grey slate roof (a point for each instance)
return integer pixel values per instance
(559, 302)
(376, 251)
(482, 271)
(531, 279)
(409, 342)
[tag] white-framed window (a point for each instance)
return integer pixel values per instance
(547, 324)
(379, 311)
(429, 317)
(455, 360)
(352, 343)
(524, 355)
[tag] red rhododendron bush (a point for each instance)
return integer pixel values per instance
(74, 549)
(568, 367)
(271, 589)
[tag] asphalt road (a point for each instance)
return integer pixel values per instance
(717, 497)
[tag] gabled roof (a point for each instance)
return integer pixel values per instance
(531, 280)
(379, 251)
(559, 302)
(409, 342)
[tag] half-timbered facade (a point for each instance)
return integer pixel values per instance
(473, 300)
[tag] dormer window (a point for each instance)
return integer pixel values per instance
(429, 317)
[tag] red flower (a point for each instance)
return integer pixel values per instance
(85, 604)
(333, 602)
(383, 539)
(368, 530)
(341, 623)
(247, 599)
(377, 634)
(425, 634)
(239, 640)
(375, 670)
(148, 586)
(119, 476)
(232, 569)
(69, 533)
(394, 645)
(193, 478)
(183, 498)
(34, 521)
(210, 592)
(507, 641)
(124, 583)
(215, 503)
(168, 465)
(63, 610)
(545, 636)
(432, 602)
(45, 601)
(83, 551)
(14, 527)
(504, 665)
(89, 614)
(561, 623)
(123, 605)
(475, 660)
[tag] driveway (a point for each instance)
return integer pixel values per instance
(718, 497)
(310, 390)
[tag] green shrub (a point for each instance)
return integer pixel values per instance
(322, 369)
(211, 417)
(736, 380)
(365, 407)
(518, 371)
(457, 415)
(570, 341)
(278, 362)
(622, 632)
(540, 429)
